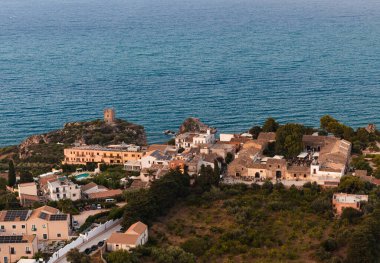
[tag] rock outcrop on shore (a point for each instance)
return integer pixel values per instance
(192, 124)
(49, 146)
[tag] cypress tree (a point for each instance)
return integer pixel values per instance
(11, 174)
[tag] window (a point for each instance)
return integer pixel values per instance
(304, 175)
(278, 166)
(14, 226)
(44, 236)
(23, 226)
(74, 195)
(34, 228)
(44, 226)
(314, 171)
(58, 235)
(6, 260)
(13, 250)
(27, 250)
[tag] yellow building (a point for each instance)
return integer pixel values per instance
(113, 154)
(13, 247)
(46, 222)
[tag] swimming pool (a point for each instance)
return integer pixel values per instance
(82, 176)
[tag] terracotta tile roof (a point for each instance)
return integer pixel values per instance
(88, 186)
(27, 184)
(130, 236)
(105, 194)
(138, 184)
(29, 238)
(160, 147)
(48, 209)
(137, 228)
(267, 136)
(44, 180)
(122, 238)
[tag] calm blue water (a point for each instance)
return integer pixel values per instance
(232, 63)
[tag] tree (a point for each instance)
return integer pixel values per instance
(11, 174)
(289, 139)
(74, 256)
(354, 185)
(172, 255)
(270, 125)
(216, 177)
(121, 256)
(351, 215)
(205, 179)
(360, 163)
(229, 158)
(195, 245)
(26, 177)
(326, 120)
(255, 131)
(3, 184)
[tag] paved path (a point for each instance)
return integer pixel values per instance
(93, 241)
(81, 218)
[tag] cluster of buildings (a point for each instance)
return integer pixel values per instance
(55, 187)
(22, 230)
(324, 160)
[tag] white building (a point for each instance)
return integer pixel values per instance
(226, 137)
(188, 140)
(63, 189)
(27, 189)
(204, 138)
(154, 157)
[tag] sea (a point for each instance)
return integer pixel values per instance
(231, 63)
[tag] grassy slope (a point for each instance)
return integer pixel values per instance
(247, 227)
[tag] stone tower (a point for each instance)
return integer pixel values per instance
(109, 115)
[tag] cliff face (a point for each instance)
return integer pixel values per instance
(194, 125)
(93, 132)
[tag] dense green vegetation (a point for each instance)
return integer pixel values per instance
(360, 139)
(267, 223)
(11, 174)
(289, 139)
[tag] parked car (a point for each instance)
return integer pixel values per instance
(101, 243)
(99, 206)
(87, 251)
(93, 207)
(110, 200)
(94, 247)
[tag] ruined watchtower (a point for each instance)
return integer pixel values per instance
(109, 115)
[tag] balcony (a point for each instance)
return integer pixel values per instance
(34, 229)
(28, 252)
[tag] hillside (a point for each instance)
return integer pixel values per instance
(266, 223)
(47, 149)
